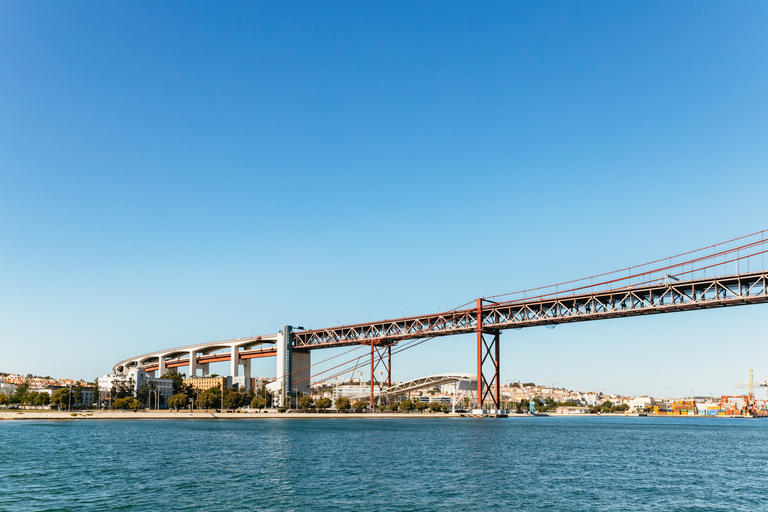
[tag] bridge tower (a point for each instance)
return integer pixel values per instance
(488, 374)
(381, 355)
(292, 368)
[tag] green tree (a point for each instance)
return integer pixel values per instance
(178, 401)
(420, 406)
(342, 403)
(41, 399)
(360, 405)
(305, 402)
(178, 381)
(266, 394)
(127, 403)
(122, 389)
(209, 399)
(17, 397)
(258, 402)
(120, 403)
(435, 407)
(60, 397)
(77, 395)
(4, 399)
(406, 405)
(248, 397)
(323, 403)
(392, 407)
(233, 399)
(142, 395)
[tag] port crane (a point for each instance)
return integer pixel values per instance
(750, 403)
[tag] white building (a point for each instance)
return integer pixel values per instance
(458, 387)
(139, 377)
(592, 399)
(641, 403)
(7, 388)
(352, 392)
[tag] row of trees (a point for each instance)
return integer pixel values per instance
(63, 397)
(344, 404)
(550, 404)
(608, 406)
(212, 399)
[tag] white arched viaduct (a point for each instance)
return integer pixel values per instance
(292, 366)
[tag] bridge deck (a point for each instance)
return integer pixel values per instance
(715, 292)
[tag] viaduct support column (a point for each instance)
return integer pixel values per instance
(192, 363)
(247, 373)
(488, 375)
(160, 366)
(234, 362)
(293, 369)
(284, 359)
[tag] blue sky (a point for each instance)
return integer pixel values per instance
(181, 172)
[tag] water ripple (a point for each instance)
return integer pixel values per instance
(602, 464)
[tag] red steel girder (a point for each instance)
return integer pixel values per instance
(654, 298)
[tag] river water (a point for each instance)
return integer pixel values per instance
(592, 463)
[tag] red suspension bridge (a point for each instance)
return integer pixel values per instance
(730, 273)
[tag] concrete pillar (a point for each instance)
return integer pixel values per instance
(192, 363)
(247, 373)
(206, 369)
(283, 371)
(234, 362)
(301, 366)
(161, 366)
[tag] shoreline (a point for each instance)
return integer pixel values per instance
(32, 415)
(201, 415)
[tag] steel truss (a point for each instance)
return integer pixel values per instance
(735, 290)
(381, 355)
(424, 382)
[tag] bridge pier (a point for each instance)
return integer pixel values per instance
(380, 355)
(192, 363)
(234, 362)
(293, 368)
(300, 380)
(247, 372)
(488, 374)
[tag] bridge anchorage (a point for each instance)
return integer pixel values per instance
(711, 277)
